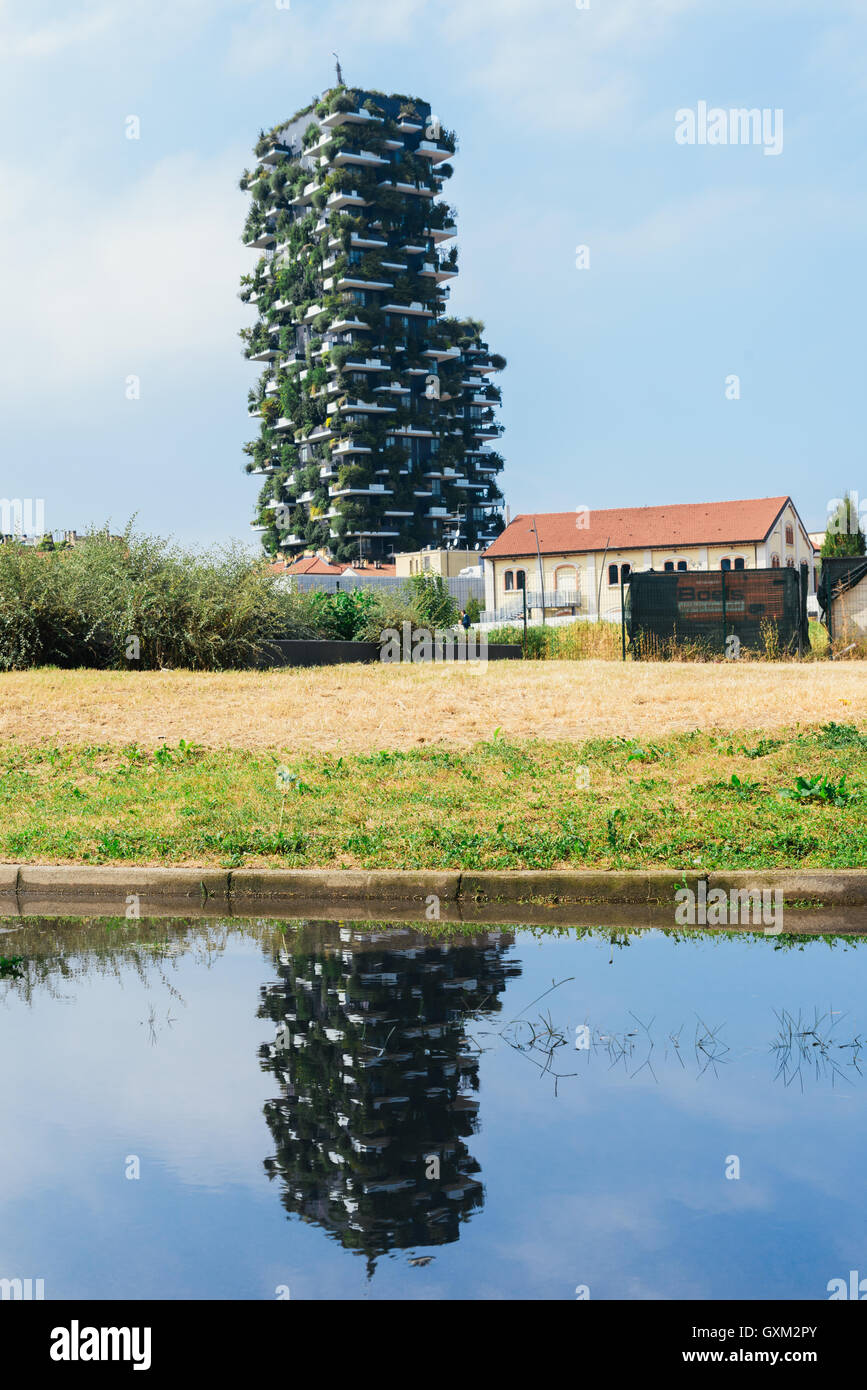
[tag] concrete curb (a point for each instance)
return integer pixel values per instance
(384, 885)
(23, 888)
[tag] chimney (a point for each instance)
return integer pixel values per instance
(508, 516)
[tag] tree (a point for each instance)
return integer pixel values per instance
(844, 535)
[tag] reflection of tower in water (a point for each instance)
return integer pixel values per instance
(376, 1073)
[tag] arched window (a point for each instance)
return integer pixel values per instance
(681, 565)
(790, 564)
(775, 562)
(725, 564)
(740, 563)
(520, 579)
(510, 580)
(613, 577)
(669, 567)
(625, 571)
(566, 579)
(790, 535)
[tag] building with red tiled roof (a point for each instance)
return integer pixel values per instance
(573, 562)
(318, 565)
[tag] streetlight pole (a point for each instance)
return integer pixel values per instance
(541, 572)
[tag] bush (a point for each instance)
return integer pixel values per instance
(80, 606)
(431, 601)
(344, 616)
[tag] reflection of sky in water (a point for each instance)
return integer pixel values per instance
(616, 1181)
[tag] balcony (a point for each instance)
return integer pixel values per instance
(346, 198)
(292, 540)
(315, 150)
(432, 270)
(407, 127)
(366, 158)
(442, 355)
(348, 325)
(339, 118)
(275, 154)
(370, 364)
(445, 233)
(321, 433)
(263, 241)
(414, 308)
(360, 535)
(436, 511)
(429, 150)
(272, 386)
(349, 282)
(348, 446)
(362, 242)
(267, 354)
(326, 472)
(372, 490)
(366, 408)
(284, 424)
(305, 197)
(409, 188)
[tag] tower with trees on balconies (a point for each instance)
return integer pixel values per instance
(375, 407)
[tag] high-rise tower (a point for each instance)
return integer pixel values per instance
(376, 408)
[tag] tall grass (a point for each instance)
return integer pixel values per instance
(139, 602)
(602, 641)
(136, 601)
(571, 642)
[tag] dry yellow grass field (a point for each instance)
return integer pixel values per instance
(359, 708)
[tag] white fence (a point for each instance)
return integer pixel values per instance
(461, 589)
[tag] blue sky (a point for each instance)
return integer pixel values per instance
(122, 257)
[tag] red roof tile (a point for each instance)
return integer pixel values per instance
(308, 564)
(633, 528)
(314, 564)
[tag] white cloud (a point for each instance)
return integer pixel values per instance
(20, 38)
(541, 61)
(146, 274)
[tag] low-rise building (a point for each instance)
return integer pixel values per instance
(573, 563)
(448, 563)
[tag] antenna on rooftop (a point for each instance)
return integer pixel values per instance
(339, 71)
